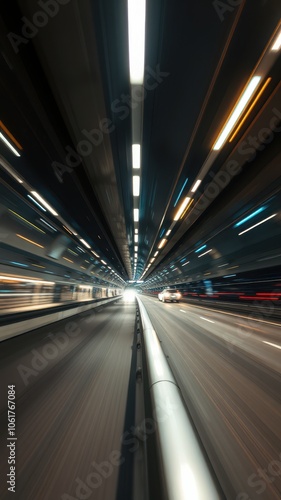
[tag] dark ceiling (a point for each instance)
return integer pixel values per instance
(66, 97)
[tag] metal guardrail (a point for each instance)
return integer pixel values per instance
(186, 474)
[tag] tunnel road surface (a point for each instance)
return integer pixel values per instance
(228, 369)
(71, 393)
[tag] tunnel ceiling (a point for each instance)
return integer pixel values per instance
(67, 99)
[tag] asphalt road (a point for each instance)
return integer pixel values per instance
(228, 369)
(71, 386)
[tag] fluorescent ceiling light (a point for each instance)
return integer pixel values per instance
(29, 241)
(8, 278)
(136, 22)
(179, 195)
(95, 254)
(136, 248)
(249, 217)
(26, 221)
(237, 111)
(8, 144)
(136, 231)
(168, 232)
(68, 230)
(11, 171)
(68, 260)
(103, 262)
(277, 44)
(136, 238)
(185, 264)
(71, 251)
(36, 203)
(18, 264)
(258, 224)
(182, 208)
(44, 203)
(47, 224)
(208, 251)
(136, 214)
(156, 253)
(249, 110)
(196, 185)
(136, 185)
(229, 276)
(136, 155)
(85, 243)
(162, 243)
(201, 248)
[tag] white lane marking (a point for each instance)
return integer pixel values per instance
(230, 314)
(183, 311)
(273, 345)
(206, 319)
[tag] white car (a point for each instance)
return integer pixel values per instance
(169, 294)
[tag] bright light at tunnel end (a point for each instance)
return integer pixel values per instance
(129, 296)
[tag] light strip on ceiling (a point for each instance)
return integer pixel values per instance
(8, 144)
(10, 135)
(201, 248)
(136, 214)
(258, 224)
(47, 224)
(208, 251)
(250, 109)
(68, 260)
(136, 22)
(66, 228)
(11, 171)
(36, 203)
(136, 155)
(136, 185)
(196, 185)
(180, 193)
(29, 241)
(44, 203)
(256, 212)
(85, 243)
(162, 243)
(277, 44)
(27, 221)
(182, 208)
(237, 111)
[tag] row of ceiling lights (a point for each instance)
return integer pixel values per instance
(184, 262)
(136, 38)
(40, 202)
(230, 124)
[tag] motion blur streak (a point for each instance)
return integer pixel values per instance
(231, 384)
(70, 402)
